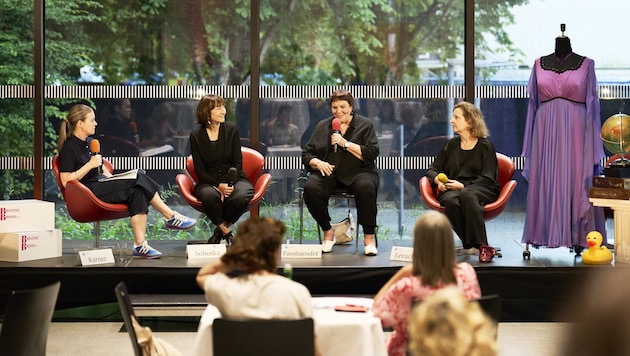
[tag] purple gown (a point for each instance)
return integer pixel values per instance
(562, 151)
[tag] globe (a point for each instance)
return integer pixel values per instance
(615, 133)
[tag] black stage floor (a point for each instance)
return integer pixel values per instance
(532, 289)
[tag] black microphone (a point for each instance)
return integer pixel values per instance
(232, 176)
(95, 148)
(336, 126)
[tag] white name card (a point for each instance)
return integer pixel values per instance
(400, 253)
(96, 257)
(290, 251)
(205, 251)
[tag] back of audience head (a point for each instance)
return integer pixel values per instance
(447, 324)
(599, 315)
(434, 249)
(256, 246)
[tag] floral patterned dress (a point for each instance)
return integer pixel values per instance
(394, 306)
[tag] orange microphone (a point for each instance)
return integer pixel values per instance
(95, 148)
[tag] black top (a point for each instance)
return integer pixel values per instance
(476, 166)
(213, 159)
(360, 132)
(75, 153)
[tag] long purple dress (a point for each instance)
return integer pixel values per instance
(562, 151)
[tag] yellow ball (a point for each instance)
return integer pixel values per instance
(442, 177)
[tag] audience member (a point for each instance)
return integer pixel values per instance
(76, 162)
(448, 324)
(216, 150)
(433, 267)
(469, 162)
(386, 118)
(343, 158)
(318, 109)
(117, 118)
(281, 131)
(599, 315)
(244, 284)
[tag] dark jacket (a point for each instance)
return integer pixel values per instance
(213, 159)
(361, 132)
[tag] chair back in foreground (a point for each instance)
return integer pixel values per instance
(263, 337)
(27, 319)
(253, 163)
(491, 305)
(126, 310)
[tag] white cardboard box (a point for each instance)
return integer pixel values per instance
(26, 215)
(30, 245)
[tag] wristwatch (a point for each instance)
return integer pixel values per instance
(346, 145)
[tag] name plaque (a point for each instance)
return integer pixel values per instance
(96, 257)
(400, 253)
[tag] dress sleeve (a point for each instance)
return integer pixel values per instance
(467, 281)
(532, 107)
(595, 151)
(393, 306)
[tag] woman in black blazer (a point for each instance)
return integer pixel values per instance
(216, 151)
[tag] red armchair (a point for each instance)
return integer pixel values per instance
(253, 163)
(83, 206)
(492, 210)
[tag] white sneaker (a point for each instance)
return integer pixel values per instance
(327, 245)
(370, 250)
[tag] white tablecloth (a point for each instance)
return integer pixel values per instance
(338, 333)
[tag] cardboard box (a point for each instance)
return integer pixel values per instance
(30, 245)
(26, 215)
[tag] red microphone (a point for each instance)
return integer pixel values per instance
(95, 148)
(336, 126)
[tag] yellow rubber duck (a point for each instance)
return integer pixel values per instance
(596, 254)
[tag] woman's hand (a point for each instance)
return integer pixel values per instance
(324, 167)
(337, 139)
(225, 189)
(95, 161)
(450, 185)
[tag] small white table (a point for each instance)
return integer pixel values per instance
(621, 217)
(338, 333)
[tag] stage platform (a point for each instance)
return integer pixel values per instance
(532, 289)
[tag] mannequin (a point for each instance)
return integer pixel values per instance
(563, 120)
(563, 47)
(563, 58)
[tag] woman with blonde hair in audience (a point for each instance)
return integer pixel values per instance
(433, 267)
(448, 324)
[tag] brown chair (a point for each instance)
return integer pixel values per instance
(26, 321)
(492, 210)
(253, 163)
(83, 206)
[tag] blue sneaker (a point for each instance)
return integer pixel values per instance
(180, 222)
(144, 250)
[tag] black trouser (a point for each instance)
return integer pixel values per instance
(229, 210)
(464, 209)
(364, 186)
(136, 193)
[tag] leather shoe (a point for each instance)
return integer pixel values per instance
(216, 237)
(229, 237)
(327, 245)
(370, 250)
